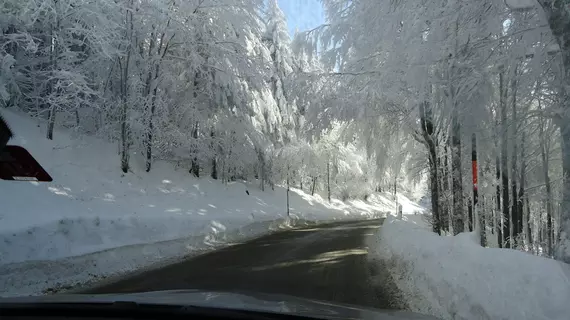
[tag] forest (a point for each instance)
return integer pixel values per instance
(469, 98)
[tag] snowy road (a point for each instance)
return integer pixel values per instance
(327, 263)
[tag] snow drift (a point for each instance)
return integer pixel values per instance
(455, 278)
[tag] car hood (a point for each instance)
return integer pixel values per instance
(232, 300)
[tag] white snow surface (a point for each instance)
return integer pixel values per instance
(92, 221)
(521, 4)
(454, 278)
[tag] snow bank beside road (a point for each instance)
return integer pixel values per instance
(92, 206)
(455, 278)
(49, 276)
(93, 220)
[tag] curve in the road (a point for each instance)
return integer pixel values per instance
(326, 262)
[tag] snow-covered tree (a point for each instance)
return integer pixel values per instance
(278, 42)
(383, 95)
(443, 72)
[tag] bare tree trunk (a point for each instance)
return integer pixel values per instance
(521, 197)
(125, 134)
(125, 139)
(446, 192)
(443, 188)
(515, 214)
(536, 232)
(450, 193)
(546, 168)
(51, 122)
(436, 223)
(540, 234)
(469, 214)
(562, 246)
(288, 188)
(146, 94)
(477, 212)
(314, 186)
(77, 119)
(504, 160)
(549, 227)
(457, 175)
(529, 229)
(395, 197)
(262, 178)
(328, 180)
(195, 167)
(523, 218)
(498, 215)
(54, 52)
(150, 132)
(427, 131)
(498, 210)
(224, 179)
(262, 173)
(458, 215)
(473, 214)
(544, 151)
(214, 173)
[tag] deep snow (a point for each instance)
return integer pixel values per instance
(69, 231)
(454, 278)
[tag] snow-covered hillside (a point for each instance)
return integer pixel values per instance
(91, 206)
(455, 278)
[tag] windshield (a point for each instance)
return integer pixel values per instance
(380, 153)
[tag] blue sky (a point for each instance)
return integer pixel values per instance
(302, 14)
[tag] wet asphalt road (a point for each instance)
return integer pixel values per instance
(327, 262)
